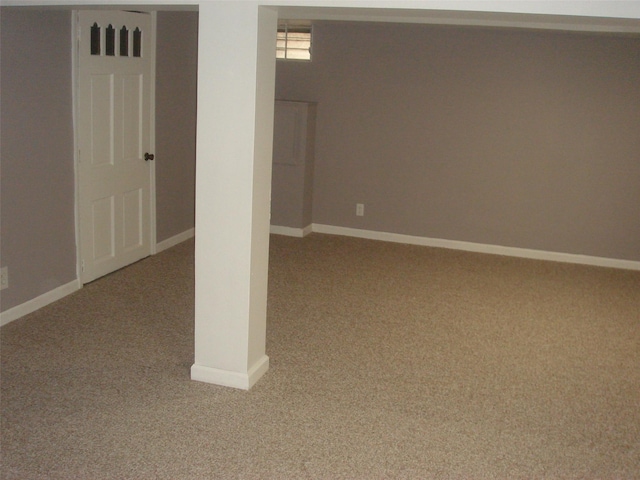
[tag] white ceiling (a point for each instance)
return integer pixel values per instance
(618, 16)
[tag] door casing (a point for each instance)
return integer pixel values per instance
(75, 45)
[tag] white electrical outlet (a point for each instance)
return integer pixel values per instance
(360, 209)
(4, 278)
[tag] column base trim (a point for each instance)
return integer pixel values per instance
(226, 378)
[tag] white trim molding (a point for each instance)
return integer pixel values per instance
(58, 293)
(291, 231)
(153, 216)
(43, 300)
(226, 378)
(479, 247)
(175, 240)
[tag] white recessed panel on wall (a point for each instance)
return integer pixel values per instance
(286, 143)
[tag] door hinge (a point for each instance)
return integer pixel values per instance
(82, 266)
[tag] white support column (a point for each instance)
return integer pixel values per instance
(236, 82)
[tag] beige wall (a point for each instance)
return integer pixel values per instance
(37, 181)
(498, 136)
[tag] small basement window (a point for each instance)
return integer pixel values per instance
(294, 43)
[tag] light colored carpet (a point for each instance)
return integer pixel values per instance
(387, 361)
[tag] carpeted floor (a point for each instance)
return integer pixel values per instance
(387, 361)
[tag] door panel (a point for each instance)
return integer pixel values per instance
(114, 131)
(132, 120)
(101, 105)
(132, 210)
(103, 214)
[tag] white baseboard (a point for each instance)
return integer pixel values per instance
(479, 247)
(227, 378)
(290, 231)
(64, 290)
(39, 302)
(175, 240)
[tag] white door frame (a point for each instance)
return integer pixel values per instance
(152, 135)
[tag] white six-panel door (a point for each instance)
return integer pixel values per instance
(114, 158)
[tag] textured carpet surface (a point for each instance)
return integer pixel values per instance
(387, 361)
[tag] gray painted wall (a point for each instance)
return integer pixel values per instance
(176, 103)
(506, 137)
(37, 185)
(294, 126)
(37, 182)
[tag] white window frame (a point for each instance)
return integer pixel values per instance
(285, 52)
